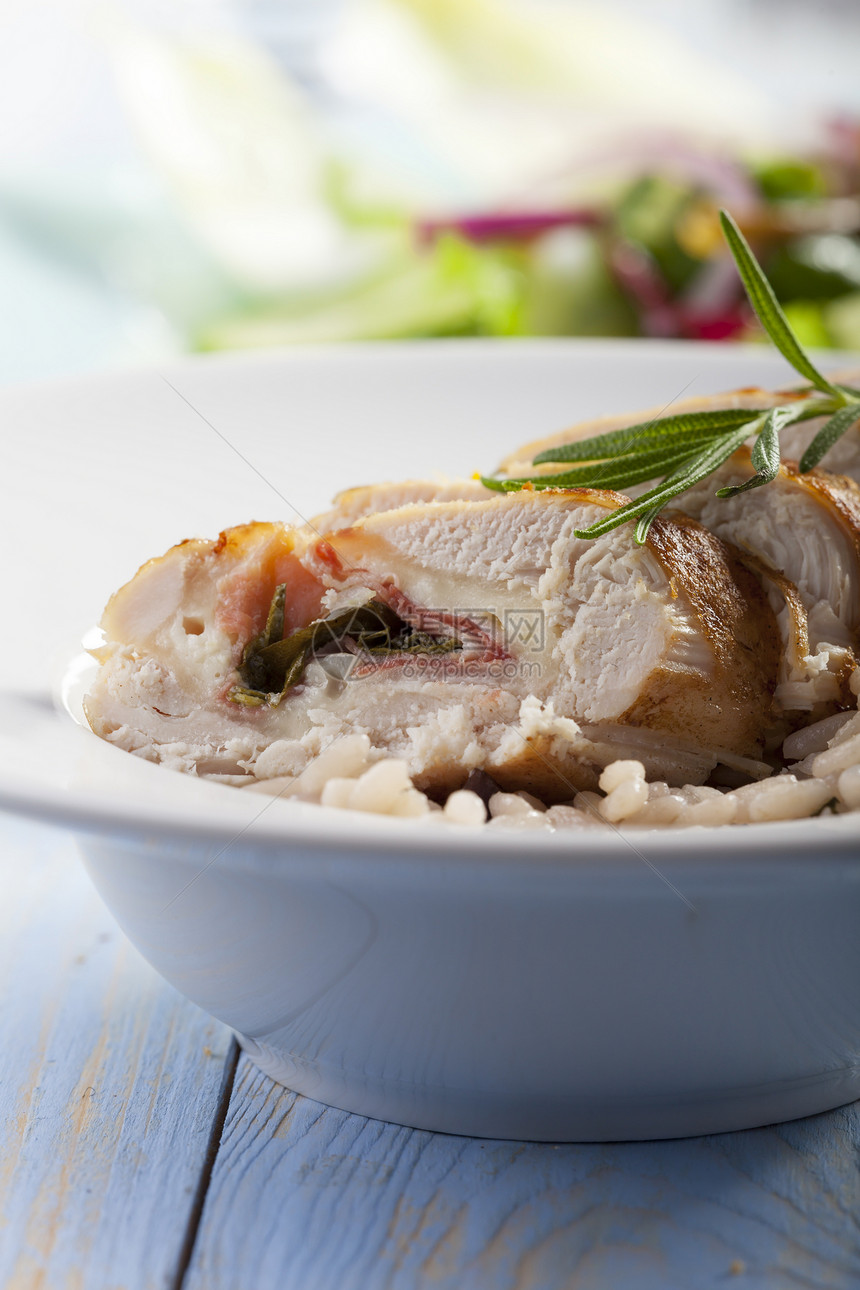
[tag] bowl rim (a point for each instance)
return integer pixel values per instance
(203, 812)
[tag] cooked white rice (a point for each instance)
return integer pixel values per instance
(823, 774)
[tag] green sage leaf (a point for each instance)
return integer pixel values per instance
(270, 668)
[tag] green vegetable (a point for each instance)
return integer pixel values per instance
(806, 319)
(272, 664)
(787, 178)
(817, 267)
(686, 448)
(842, 320)
(452, 289)
(648, 215)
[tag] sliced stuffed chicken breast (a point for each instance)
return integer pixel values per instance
(620, 639)
(455, 635)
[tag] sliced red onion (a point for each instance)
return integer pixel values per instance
(508, 225)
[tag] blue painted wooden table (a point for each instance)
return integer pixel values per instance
(140, 1151)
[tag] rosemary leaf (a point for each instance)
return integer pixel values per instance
(768, 309)
(827, 436)
(606, 474)
(765, 453)
(644, 523)
(694, 470)
(647, 434)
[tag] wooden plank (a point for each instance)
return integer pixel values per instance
(109, 1082)
(307, 1198)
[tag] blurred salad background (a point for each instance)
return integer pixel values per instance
(182, 175)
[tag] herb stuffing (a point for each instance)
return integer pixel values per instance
(272, 664)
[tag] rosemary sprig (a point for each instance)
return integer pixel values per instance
(685, 448)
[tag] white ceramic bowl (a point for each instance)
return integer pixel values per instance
(596, 986)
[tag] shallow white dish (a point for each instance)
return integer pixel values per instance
(551, 987)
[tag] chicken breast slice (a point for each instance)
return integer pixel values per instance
(174, 636)
(355, 503)
(804, 531)
(606, 634)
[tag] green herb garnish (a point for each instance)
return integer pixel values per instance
(273, 663)
(685, 448)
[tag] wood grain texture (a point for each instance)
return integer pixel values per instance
(109, 1092)
(307, 1198)
(109, 1082)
